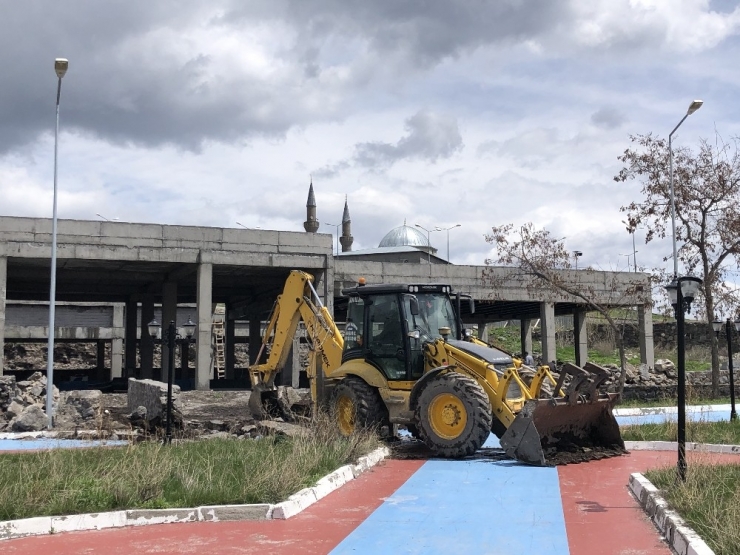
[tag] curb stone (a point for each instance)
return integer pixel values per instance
(39, 526)
(673, 446)
(682, 539)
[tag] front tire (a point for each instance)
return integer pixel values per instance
(453, 415)
(358, 406)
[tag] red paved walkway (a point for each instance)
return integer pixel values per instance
(317, 530)
(600, 514)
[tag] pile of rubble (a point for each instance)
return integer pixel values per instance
(23, 406)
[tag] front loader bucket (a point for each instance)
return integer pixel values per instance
(551, 432)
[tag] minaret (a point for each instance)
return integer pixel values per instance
(311, 224)
(346, 239)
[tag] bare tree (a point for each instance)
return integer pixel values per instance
(543, 259)
(707, 196)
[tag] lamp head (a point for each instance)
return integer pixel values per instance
(694, 106)
(153, 328)
(689, 287)
(672, 289)
(60, 66)
(189, 328)
(717, 326)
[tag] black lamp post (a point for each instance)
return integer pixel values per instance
(717, 325)
(682, 291)
(170, 338)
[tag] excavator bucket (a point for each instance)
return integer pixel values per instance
(577, 427)
(290, 404)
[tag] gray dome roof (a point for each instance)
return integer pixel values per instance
(404, 236)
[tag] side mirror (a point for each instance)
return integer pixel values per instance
(414, 305)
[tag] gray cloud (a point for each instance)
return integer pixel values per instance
(168, 72)
(608, 118)
(138, 73)
(430, 137)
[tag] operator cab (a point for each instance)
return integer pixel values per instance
(387, 326)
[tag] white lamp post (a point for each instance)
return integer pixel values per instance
(447, 229)
(693, 107)
(577, 255)
(60, 67)
(429, 246)
(337, 228)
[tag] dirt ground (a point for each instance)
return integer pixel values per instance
(201, 410)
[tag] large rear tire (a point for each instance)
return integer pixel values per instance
(453, 415)
(358, 405)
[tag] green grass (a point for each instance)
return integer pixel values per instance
(508, 339)
(723, 432)
(709, 501)
(149, 475)
(671, 402)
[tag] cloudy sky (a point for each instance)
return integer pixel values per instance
(432, 112)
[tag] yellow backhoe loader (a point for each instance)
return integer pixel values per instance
(404, 360)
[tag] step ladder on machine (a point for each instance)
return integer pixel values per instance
(219, 353)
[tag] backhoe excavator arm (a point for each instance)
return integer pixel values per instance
(298, 301)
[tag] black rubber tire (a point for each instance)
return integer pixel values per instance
(478, 415)
(370, 411)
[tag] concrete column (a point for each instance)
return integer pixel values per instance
(116, 344)
(230, 346)
(525, 331)
(3, 297)
(203, 332)
(645, 331)
(183, 373)
(547, 323)
(169, 314)
(482, 332)
(100, 373)
(580, 336)
(255, 339)
(146, 345)
(129, 340)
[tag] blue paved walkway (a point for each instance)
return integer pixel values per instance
(483, 507)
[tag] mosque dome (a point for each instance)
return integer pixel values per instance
(405, 236)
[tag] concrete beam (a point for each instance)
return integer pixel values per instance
(645, 332)
(116, 345)
(130, 338)
(3, 290)
(580, 337)
(547, 331)
(203, 332)
(525, 335)
(146, 345)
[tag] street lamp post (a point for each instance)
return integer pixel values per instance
(682, 292)
(337, 228)
(170, 339)
(60, 67)
(693, 107)
(429, 246)
(447, 229)
(717, 325)
(631, 228)
(577, 255)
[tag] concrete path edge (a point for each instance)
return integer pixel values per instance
(39, 526)
(682, 539)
